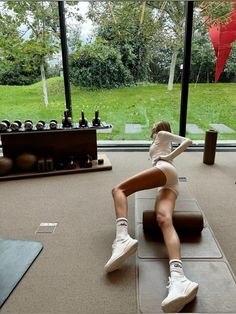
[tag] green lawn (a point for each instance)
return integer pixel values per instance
(142, 104)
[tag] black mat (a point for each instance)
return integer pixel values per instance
(16, 256)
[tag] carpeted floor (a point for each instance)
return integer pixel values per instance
(68, 275)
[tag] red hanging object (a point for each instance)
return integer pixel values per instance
(222, 37)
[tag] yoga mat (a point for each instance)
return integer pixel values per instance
(184, 222)
(211, 298)
(16, 256)
(197, 246)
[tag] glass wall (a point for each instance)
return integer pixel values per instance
(212, 100)
(31, 86)
(129, 67)
(125, 60)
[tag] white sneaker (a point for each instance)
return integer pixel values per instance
(121, 249)
(181, 292)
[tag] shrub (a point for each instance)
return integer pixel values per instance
(98, 65)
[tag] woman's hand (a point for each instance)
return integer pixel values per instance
(155, 160)
(158, 158)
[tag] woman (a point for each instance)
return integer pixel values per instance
(163, 174)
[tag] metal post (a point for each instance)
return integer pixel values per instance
(186, 66)
(64, 50)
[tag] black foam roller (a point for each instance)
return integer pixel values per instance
(210, 147)
(186, 222)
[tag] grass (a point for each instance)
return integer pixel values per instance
(142, 104)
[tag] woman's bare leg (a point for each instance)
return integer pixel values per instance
(165, 205)
(124, 245)
(146, 179)
(181, 289)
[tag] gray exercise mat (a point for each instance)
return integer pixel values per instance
(192, 246)
(217, 289)
(16, 256)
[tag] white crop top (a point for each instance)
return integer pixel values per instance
(162, 146)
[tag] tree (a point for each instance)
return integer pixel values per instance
(97, 65)
(38, 25)
(215, 11)
(172, 31)
(128, 26)
(203, 58)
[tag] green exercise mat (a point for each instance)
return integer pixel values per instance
(16, 256)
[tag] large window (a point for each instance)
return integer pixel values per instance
(130, 66)
(211, 103)
(30, 84)
(125, 60)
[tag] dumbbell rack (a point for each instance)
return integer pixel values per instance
(57, 143)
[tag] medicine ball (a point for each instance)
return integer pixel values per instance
(26, 161)
(6, 165)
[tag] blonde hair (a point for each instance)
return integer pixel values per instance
(161, 126)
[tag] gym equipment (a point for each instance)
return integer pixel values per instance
(203, 259)
(28, 125)
(67, 120)
(100, 161)
(4, 125)
(96, 121)
(26, 161)
(16, 125)
(88, 163)
(71, 163)
(85, 161)
(59, 144)
(6, 165)
(211, 298)
(16, 257)
(210, 147)
(184, 222)
(83, 122)
(41, 164)
(40, 125)
(45, 164)
(53, 124)
(49, 164)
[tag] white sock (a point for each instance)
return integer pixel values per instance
(176, 268)
(121, 228)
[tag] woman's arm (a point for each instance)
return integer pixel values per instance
(183, 141)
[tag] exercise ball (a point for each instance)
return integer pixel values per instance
(26, 161)
(6, 165)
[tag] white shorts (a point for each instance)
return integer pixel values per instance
(171, 174)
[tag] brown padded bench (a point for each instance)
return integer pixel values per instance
(203, 259)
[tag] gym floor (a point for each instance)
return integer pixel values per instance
(68, 275)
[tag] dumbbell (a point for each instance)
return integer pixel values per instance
(28, 125)
(86, 161)
(66, 163)
(67, 120)
(71, 163)
(4, 125)
(40, 125)
(96, 121)
(16, 125)
(53, 124)
(83, 122)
